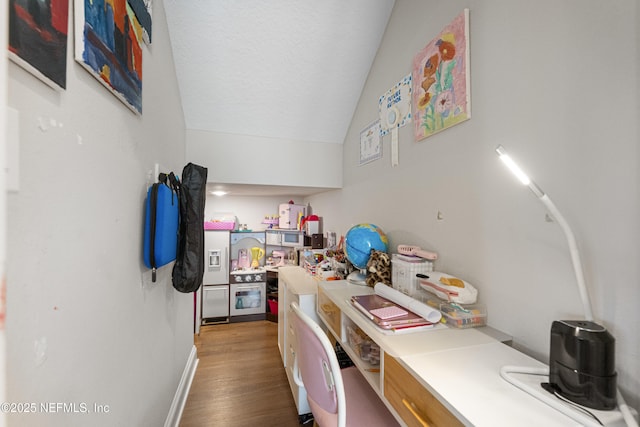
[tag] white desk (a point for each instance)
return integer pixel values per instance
(460, 368)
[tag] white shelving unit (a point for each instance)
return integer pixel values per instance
(294, 285)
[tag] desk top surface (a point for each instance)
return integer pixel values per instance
(462, 368)
(404, 343)
(297, 279)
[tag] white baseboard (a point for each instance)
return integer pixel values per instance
(180, 398)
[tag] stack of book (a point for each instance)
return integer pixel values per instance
(392, 310)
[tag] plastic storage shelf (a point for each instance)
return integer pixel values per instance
(363, 346)
(403, 274)
(467, 316)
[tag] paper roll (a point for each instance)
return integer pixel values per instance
(430, 314)
(394, 146)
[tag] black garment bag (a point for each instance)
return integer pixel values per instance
(189, 267)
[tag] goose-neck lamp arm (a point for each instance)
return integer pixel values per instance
(559, 218)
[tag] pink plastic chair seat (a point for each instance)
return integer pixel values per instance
(336, 397)
(364, 407)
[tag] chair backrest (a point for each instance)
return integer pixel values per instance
(317, 365)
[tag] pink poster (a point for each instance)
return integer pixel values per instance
(441, 91)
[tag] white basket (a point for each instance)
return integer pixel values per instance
(403, 274)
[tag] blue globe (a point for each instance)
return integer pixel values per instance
(359, 241)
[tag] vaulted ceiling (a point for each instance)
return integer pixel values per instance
(291, 69)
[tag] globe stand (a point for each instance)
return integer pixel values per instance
(359, 243)
(357, 277)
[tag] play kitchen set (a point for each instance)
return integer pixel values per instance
(240, 277)
(248, 277)
(234, 280)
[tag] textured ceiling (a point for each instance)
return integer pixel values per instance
(285, 69)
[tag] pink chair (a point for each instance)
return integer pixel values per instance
(336, 397)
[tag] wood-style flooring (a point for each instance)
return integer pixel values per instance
(240, 380)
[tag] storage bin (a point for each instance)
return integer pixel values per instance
(403, 274)
(362, 345)
(273, 306)
(467, 316)
(219, 225)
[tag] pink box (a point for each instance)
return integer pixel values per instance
(219, 225)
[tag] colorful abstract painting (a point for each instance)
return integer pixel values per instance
(38, 38)
(108, 44)
(441, 89)
(142, 9)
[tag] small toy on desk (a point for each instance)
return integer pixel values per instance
(448, 287)
(378, 268)
(417, 251)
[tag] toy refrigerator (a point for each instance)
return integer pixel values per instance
(290, 216)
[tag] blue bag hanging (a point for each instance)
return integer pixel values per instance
(162, 209)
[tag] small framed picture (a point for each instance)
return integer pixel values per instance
(370, 144)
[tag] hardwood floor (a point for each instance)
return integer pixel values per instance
(240, 380)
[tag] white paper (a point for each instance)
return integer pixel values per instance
(430, 314)
(394, 147)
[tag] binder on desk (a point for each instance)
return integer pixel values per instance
(370, 305)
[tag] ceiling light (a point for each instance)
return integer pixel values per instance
(219, 193)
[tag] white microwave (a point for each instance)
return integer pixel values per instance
(292, 238)
(285, 238)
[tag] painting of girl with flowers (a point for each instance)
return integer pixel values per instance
(441, 91)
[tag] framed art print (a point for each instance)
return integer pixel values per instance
(370, 143)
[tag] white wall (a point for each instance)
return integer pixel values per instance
(84, 322)
(557, 84)
(246, 159)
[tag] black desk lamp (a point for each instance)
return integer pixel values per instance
(582, 354)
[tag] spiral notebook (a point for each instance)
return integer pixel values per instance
(370, 305)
